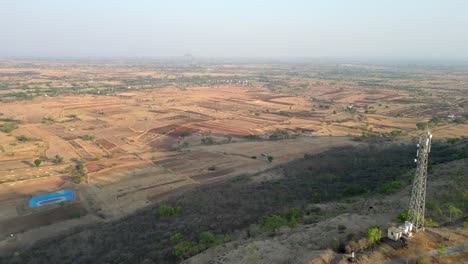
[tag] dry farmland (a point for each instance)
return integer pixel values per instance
(124, 134)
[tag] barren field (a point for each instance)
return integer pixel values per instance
(124, 135)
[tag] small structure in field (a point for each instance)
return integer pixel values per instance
(394, 233)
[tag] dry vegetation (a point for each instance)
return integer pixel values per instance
(127, 134)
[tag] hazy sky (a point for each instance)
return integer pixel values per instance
(237, 28)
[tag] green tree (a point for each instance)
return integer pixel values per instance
(454, 211)
(81, 168)
(167, 211)
(185, 134)
(460, 120)
(8, 127)
(293, 217)
(424, 125)
(403, 216)
(176, 238)
(182, 249)
(38, 162)
(207, 238)
(273, 223)
(374, 234)
(270, 158)
(22, 138)
(316, 197)
(58, 159)
(208, 141)
(441, 250)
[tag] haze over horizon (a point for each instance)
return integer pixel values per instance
(337, 28)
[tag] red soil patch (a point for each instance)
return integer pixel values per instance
(106, 144)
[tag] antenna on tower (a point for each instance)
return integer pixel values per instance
(418, 193)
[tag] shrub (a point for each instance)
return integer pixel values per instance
(307, 173)
(403, 216)
(253, 230)
(207, 141)
(293, 217)
(280, 134)
(441, 250)
(272, 223)
(374, 234)
(37, 162)
(185, 134)
(420, 260)
(270, 158)
(454, 211)
(430, 223)
(23, 138)
(176, 238)
(390, 187)
(341, 228)
(243, 178)
(76, 178)
(424, 125)
(7, 127)
(89, 137)
(207, 238)
(460, 120)
(212, 168)
(58, 159)
(253, 157)
(167, 211)
(182, 249)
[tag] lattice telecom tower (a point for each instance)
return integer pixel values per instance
(418, 193)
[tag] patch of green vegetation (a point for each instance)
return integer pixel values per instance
(212, 168)
(424, 125)
(37, 162)
(280, 134)
(185, 134)
(89, 137)
(453, 140)
(341, 228)
(58, 159)
(293, 217)
(403, 216)
(7, 127)
(252, 137)
(390, 187)
(168, 211)
(207, 141)
(272, 223)
(242, 179)
(374, 234)
(22, 138)
(441, 250)
(183, 248)
(459, 120)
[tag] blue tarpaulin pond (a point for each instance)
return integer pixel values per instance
(51, 198)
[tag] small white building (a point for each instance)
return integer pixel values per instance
(394, 233)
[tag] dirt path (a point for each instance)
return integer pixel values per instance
(462, 247)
